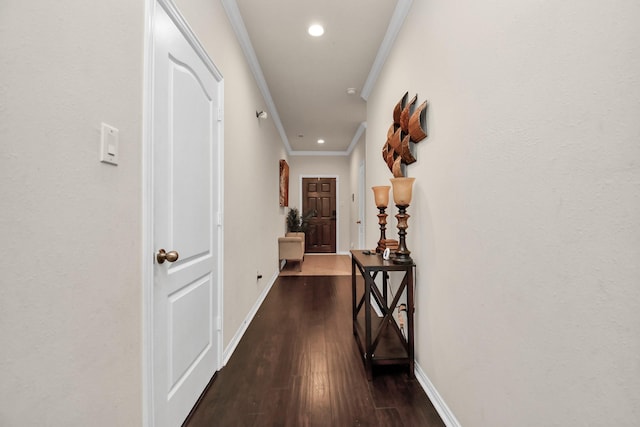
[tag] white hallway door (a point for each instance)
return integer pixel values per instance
(187, 92)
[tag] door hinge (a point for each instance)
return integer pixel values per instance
(220, 114)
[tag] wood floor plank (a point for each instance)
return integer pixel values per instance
(298, 365)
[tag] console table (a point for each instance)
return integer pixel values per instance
(380, 339)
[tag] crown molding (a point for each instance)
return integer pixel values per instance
(356, 137)
(395, 25)
(231, 7)
(301, 153)
(347, 152)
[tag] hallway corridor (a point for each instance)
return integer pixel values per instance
(298, 365)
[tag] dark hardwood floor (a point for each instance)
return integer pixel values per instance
(298, 365)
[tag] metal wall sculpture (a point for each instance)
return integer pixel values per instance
(408, 128)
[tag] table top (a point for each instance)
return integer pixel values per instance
(375, 262)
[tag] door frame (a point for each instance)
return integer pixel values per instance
(361, 204)
(148, 250)
(337, 178)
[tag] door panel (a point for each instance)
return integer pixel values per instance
(191, 121)
(185, 139)
(319, 194)
(190, 328)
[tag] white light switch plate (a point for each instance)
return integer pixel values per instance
(109, 142)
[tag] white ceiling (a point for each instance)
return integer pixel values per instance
(305, 79)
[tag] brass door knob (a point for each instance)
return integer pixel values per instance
(170, 256)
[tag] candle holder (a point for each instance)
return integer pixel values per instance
(402, 188)
(381, 195)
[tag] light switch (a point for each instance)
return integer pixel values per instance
(109, 144)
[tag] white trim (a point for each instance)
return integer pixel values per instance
(362, 183)
(347, 152)
(356, 137)
(220, 223)
(190, 36)
(443, 410)
(147, 221)
(147, 196)
(318, 153)
(233, 344)
(395, 25)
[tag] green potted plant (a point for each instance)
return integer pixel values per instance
(297, 223)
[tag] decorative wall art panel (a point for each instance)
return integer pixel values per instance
(408, 128)
(284, 183)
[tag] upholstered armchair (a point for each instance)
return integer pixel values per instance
(291, 248)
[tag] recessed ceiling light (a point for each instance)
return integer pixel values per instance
(321, 141)
(316, 30)
(351, 91)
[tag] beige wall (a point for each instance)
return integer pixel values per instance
(330, 166)
(70, 227)
(524, 223)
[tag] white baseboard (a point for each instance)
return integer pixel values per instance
(443, 410)
(245, 323)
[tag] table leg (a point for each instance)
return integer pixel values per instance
(367, 315)
(410, 313)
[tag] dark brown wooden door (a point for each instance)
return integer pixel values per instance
(320, 194)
